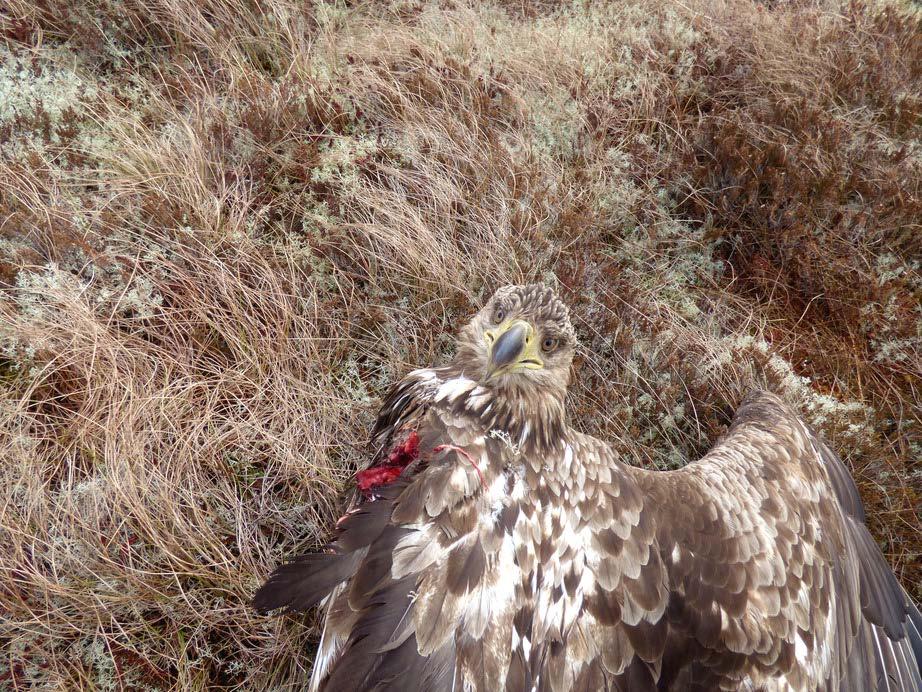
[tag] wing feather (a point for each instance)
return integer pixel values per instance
(768, 558)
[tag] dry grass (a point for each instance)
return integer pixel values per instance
(226, 227)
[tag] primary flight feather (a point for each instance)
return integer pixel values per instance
(490, 546)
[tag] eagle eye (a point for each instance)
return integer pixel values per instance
(549, 344)
(499, 314)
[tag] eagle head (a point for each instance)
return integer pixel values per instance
(520, 342)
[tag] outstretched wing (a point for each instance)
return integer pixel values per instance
(771, 571)
(884, 649)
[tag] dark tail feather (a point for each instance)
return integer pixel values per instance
(310, 578)
(384, 620)
(298, 585)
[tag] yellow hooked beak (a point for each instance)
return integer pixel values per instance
(513, 348)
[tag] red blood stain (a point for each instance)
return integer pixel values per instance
(401, 456)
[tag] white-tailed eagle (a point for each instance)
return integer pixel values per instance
(489, 546)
